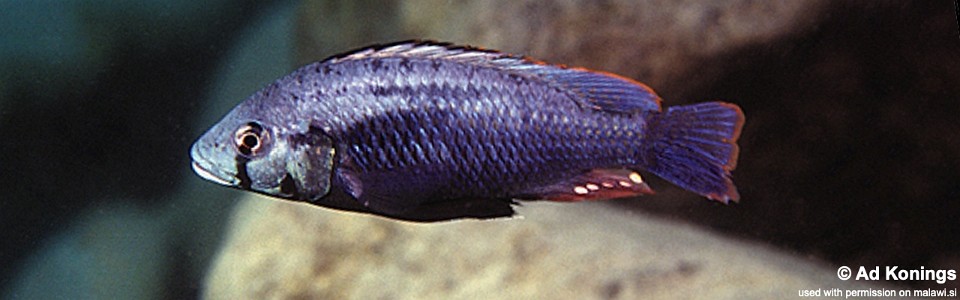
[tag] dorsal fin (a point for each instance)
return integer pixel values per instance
(601, 90)
(434, 50)
(593, 89)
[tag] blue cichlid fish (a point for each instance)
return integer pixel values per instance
(425, 131)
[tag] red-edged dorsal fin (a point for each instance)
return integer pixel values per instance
(600, 90)
(597, 184)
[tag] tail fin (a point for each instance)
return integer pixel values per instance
(695, 147)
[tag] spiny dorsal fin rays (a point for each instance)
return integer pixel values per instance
(593, 89)
(435, 50)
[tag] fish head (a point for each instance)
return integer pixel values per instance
(252, 150)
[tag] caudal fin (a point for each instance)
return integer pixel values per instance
(695, 147)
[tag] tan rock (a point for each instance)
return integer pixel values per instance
(280, 249)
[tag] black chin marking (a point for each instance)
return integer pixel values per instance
(242, 172)
(288, 186)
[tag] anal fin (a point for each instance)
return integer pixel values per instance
(596, 184)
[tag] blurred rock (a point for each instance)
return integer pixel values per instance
(280, 250)
(325, 27)
(672, 46)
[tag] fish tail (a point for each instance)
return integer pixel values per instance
(695, 147)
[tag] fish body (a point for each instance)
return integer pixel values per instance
(424, 131)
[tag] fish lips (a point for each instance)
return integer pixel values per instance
(206, 174)
(209, 171)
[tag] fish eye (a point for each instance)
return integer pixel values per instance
(249, 139)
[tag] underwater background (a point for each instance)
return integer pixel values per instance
(850, 155)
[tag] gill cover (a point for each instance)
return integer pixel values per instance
(311, 166)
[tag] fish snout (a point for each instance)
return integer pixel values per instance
(208, 170)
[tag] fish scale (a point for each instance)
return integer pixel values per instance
(473, 113)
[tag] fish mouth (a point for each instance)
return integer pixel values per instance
(203, 173)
